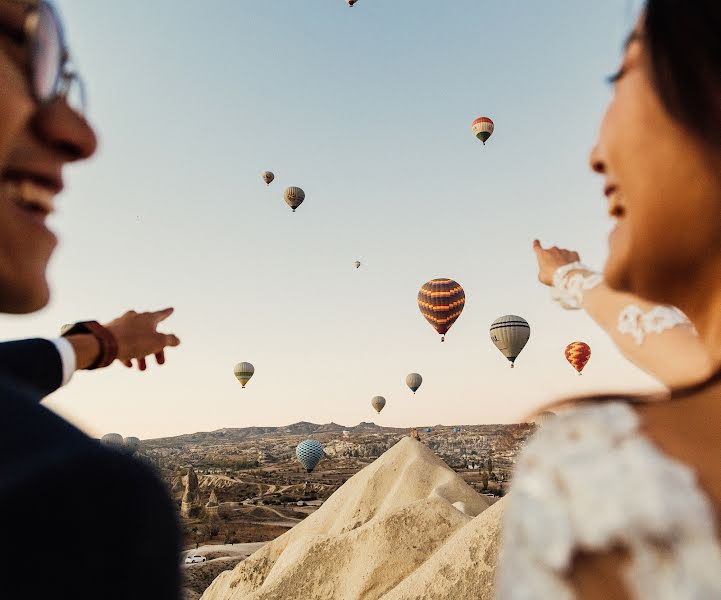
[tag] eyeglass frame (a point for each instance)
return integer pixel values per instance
(66, 73)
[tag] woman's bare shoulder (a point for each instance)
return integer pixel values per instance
(590, 481)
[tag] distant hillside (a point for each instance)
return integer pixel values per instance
(242, 434)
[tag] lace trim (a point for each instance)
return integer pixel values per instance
(569, 288)
(590, 480)
(637, 323)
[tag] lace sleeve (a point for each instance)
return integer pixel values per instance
(570, 282)
(637, 323)
(590, 480)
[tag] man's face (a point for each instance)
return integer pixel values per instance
(36, 141)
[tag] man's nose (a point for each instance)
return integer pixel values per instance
(65, 131)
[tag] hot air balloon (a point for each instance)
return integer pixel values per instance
(378, 403)
(544, 417)
(243, 372)
(131, 444)
(267, 176)
(351, 2)
(413, 381)
(441, 302)
(294, 197)
(114, 440)
(309, 453)
(357, 264)
(482, 128)
(578, 353)
(510, 334)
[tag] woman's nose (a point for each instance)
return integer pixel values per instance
(595, 160)
(65, 131)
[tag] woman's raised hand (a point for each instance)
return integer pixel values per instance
(550, 259)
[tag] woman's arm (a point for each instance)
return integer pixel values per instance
(655, 338)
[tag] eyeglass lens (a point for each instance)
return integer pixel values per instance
(47, 53)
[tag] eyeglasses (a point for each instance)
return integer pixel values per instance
(50, 71)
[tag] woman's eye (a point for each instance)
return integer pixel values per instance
(611, 79)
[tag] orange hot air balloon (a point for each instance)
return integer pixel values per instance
(578, 353)
(441, 302)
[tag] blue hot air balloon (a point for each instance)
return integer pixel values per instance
(309, 453)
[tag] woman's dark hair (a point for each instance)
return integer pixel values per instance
(683, 38)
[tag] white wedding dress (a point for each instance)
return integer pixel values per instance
(590, 481)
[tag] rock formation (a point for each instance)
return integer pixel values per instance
(396, 530)
(191, 504)
(212, 507)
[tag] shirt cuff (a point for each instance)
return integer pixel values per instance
(67, 357)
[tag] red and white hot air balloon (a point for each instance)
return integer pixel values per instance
(578, 353)
(351, 2)
(482, 128)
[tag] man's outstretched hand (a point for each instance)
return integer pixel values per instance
(138, 337)
(550, 259)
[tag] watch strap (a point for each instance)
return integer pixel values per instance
(106, 340)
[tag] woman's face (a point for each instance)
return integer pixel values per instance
(36, 141)
(663, 188)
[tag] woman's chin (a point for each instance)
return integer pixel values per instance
(615, 274)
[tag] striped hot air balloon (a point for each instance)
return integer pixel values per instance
(413, 381)
(378, 402)
(578, 353)
(544, 417)
(441, 302)
(510, 334)
(482, 128)
(294, 197)
(267, 176)
(243, 372)
(114, 440)
(131, 444)
(309, 454)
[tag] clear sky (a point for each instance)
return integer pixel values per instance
(368, 110)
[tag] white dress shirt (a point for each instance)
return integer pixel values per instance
(67, 357)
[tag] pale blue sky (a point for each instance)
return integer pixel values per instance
(369, 111)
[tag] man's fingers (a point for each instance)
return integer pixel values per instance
(160, 357)
(128, 363)
(161, 315)
(537, 246)
(170, 340)
(141, 364)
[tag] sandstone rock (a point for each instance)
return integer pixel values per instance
(191, 503)
(374, 533)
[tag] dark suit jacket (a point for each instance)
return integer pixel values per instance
(80, 520)
(34, 363)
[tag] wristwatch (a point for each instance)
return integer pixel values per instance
(106, 340)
